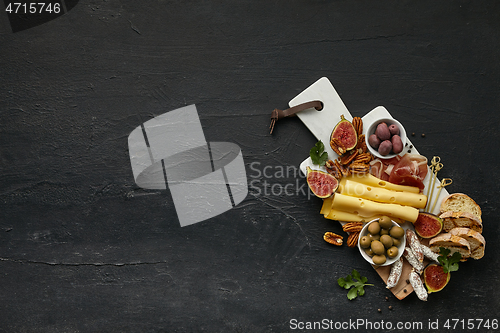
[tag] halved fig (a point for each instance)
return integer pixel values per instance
(428, 225)
(435, 278)
(345, 132)
(322, 184)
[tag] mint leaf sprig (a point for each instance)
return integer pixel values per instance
(355, 287)
(450, 264)
(318, 154)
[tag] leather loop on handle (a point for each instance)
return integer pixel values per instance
(278, 114)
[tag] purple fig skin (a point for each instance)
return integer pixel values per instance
(397, 144)
(374, 141)
(394, 129)
(385, 147)
(383, 132)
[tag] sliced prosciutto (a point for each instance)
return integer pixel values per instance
(382, 168)
(410, 170)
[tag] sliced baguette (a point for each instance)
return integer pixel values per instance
(461, 220)
(459, 202)
(476, 241)
(451, 242)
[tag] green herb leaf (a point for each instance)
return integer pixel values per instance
(355, 287)
(318, 154)
(449, 263)
(347, 282)
(352, 294)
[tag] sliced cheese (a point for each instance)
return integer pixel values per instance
(327, 205)
(371, 180)
(368, 208)
(339, 215)
(379, 194)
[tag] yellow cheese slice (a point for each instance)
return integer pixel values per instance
(371, 180)
(339, 215)
(379, 194)
(368, 208)
(327, 205)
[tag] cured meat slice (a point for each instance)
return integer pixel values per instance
(410, 170)
(376, 168)
(382, 168)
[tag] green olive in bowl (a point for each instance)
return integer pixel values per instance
(397, 232)
(377, 247)
(365, 242)
(387, 241)
(379, 259)
(385, 222)
(382, 248)
(374, 228)
(392, 252)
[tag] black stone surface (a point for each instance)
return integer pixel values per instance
(83, 249)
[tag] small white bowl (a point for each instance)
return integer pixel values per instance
(389, 261)
(371, 130)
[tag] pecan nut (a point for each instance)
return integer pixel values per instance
(352, 240)
(333, 238)
(353, 227)
(332, 169)
(337, 146)
(363, 158)
(361, 145)
(344, 170)
(359, 168)
(348, 158)
(329, 164)
(357, 122)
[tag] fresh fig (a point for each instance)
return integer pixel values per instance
(322, 184)
(428, 225)
(435, 278)
(345, 132)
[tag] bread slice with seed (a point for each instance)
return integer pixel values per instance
(451, 242)
(476, 241)
(461, 220)
(459, 202)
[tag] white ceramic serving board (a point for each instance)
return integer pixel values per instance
(321, 124)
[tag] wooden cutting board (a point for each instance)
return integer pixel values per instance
(321, 124)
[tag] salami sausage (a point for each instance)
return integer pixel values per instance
(429, 253)
(418, 286)
(414, 243)
(412, 259)
(395, 274)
